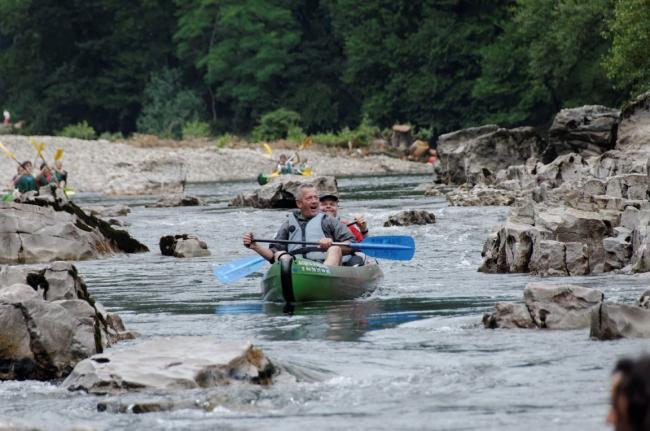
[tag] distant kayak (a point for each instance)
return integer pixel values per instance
(307, 280)
(264, 179)
(7, 197)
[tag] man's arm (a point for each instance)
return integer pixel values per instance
(267, 253)
(338, 232)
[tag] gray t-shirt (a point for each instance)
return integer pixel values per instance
(331, 227)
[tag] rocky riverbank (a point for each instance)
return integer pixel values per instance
(122, 168)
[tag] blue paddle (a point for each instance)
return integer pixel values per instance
(394, 247)
(237, 269)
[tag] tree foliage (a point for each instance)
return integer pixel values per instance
(628, 62)
(438, 64)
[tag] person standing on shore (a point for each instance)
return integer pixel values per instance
(6, 118)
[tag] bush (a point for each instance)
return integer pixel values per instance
(167, 106)
(423, 133)
(361, 136)
(113, 137)
(81, 130)
(196, 129)
(296, 134)
(275, 125)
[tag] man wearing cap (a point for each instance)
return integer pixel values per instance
(309, 224)
(329, 204)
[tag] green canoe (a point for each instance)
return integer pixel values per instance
(307, 280)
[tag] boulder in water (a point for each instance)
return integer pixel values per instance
(49, 322)
(176, 201)
(410, 217)
(281, 192)
(611, 321)
(171, 363)
(45, 226)
(183, 245)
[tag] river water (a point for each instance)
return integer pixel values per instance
(411, 356)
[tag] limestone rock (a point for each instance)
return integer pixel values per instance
(410, 217)
(587, 130)
(470, 155)
(183, 245)
(564, 306)
(107, 212)
(634, 128)
(176, 201)
(49, 322)
(611, 321)
(480, 195)
(171, 363)
(281, 192)
(45, 227)
(509, 315)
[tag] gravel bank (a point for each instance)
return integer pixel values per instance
(92, 165)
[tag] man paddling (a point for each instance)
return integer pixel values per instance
(307, 224)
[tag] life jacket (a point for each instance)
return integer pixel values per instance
(313, 233)
(26, 183)
(355, 231)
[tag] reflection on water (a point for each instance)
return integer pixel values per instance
(412, 355)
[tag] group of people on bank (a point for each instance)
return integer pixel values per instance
(25, 180)
(316, 220)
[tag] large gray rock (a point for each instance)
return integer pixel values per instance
(547, 307)
(477, 153)
(587, 130)
(171, 363)
(634, 128)
(611, 321)
(480, 195)
(183, 245)
(49, 322)
(176, 201)
(45, 227)
(410, 217)
(565, 306)
(281, 192)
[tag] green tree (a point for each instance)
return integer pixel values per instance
(628, 62)
(167, 105)
(547, 58)
(242, 48)
(76, 60)
(416, 61)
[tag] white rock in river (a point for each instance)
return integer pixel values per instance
(171, 363)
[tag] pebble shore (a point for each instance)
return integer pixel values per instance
(93, 164)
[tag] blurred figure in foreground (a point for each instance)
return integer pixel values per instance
(630, 398)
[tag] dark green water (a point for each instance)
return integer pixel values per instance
(411, 356)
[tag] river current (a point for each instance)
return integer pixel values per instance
(411, 356)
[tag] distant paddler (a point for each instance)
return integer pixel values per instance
(25, 182)
(46, 177)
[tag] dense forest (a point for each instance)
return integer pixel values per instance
(144, 65)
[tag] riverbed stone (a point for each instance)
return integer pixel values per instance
(480, 195)
(281, 191)
(410, 217)
(509, 315)
(564, 306)
(49, 322)
(611, 321)
(183, 245)
(176, 201)
(170, 364)
(117, 210)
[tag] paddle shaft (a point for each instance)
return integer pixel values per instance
(355, 245)
(286, 241)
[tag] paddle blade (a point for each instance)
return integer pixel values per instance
(58, 154)
(268, 149)
(394, 247)
(238, 269)
(9, 153)
(305, 143)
